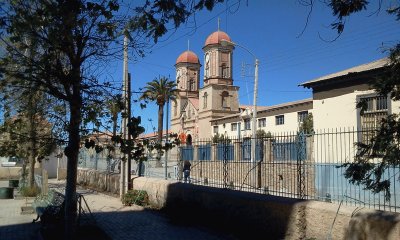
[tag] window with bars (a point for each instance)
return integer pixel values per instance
(375, 109)
(262, 122)
(301, 116)
(279, 120)
(215, 129)
(247, 124)
(234, 126)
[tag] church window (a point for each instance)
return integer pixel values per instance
(205, 100)
(224, 99)
(207, 65)
(191, 85)
(225, 71)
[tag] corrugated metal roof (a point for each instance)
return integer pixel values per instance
(357, 69)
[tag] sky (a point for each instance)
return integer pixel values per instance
(273, 32)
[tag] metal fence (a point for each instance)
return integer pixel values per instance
(289, 165)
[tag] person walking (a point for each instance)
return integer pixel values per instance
(186, 171)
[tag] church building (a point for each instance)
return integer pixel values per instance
(197, 106)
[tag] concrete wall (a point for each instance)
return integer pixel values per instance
(10, 172)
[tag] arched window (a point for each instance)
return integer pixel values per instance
(189, 139)
(207, 65)
(224, 99)
(191, 85)
(225, 71)
(205, 100)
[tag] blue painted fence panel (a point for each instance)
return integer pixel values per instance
(225, 148)
(331, 184)
(204, 152)
(187, 153)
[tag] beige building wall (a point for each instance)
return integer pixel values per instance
(289, 111)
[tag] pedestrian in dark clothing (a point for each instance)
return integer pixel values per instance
(186, 171)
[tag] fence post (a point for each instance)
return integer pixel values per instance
(213, 151)
(311, 189)
(236, 146)
(267, 150)
(195, 152)
(259, 174)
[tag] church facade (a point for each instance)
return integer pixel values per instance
(197, 106)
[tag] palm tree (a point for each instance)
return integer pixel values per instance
(160, 91)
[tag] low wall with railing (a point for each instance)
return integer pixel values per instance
(278, 178)
(100, 181)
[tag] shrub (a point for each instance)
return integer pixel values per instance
(137, 197)
(29, 191)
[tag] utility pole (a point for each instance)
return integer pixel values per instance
(125, 118)
(129, 158)
(254, 120)
(166, 141)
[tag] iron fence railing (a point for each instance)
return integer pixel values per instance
(289, 165)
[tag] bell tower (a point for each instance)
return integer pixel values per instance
(218, 59)
(188, 83)
(218, 97)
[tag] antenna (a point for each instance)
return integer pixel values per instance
(218, 23)
(188, 44)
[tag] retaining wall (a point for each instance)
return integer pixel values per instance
(255, 216)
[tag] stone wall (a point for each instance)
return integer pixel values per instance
(100, 181)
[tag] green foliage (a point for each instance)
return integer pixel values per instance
(307, 126)
(138, 197)
(160, 91)
(262, 134)
(58, 47)
(30, 191)
(220, 138)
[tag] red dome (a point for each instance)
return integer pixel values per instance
(216, 37)
(187, 57)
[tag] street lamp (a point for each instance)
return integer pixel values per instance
(253, 139)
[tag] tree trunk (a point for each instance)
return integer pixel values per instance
(32, 141)
(160, 133)
(72, 151)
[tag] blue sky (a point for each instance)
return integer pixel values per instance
(270, 29)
